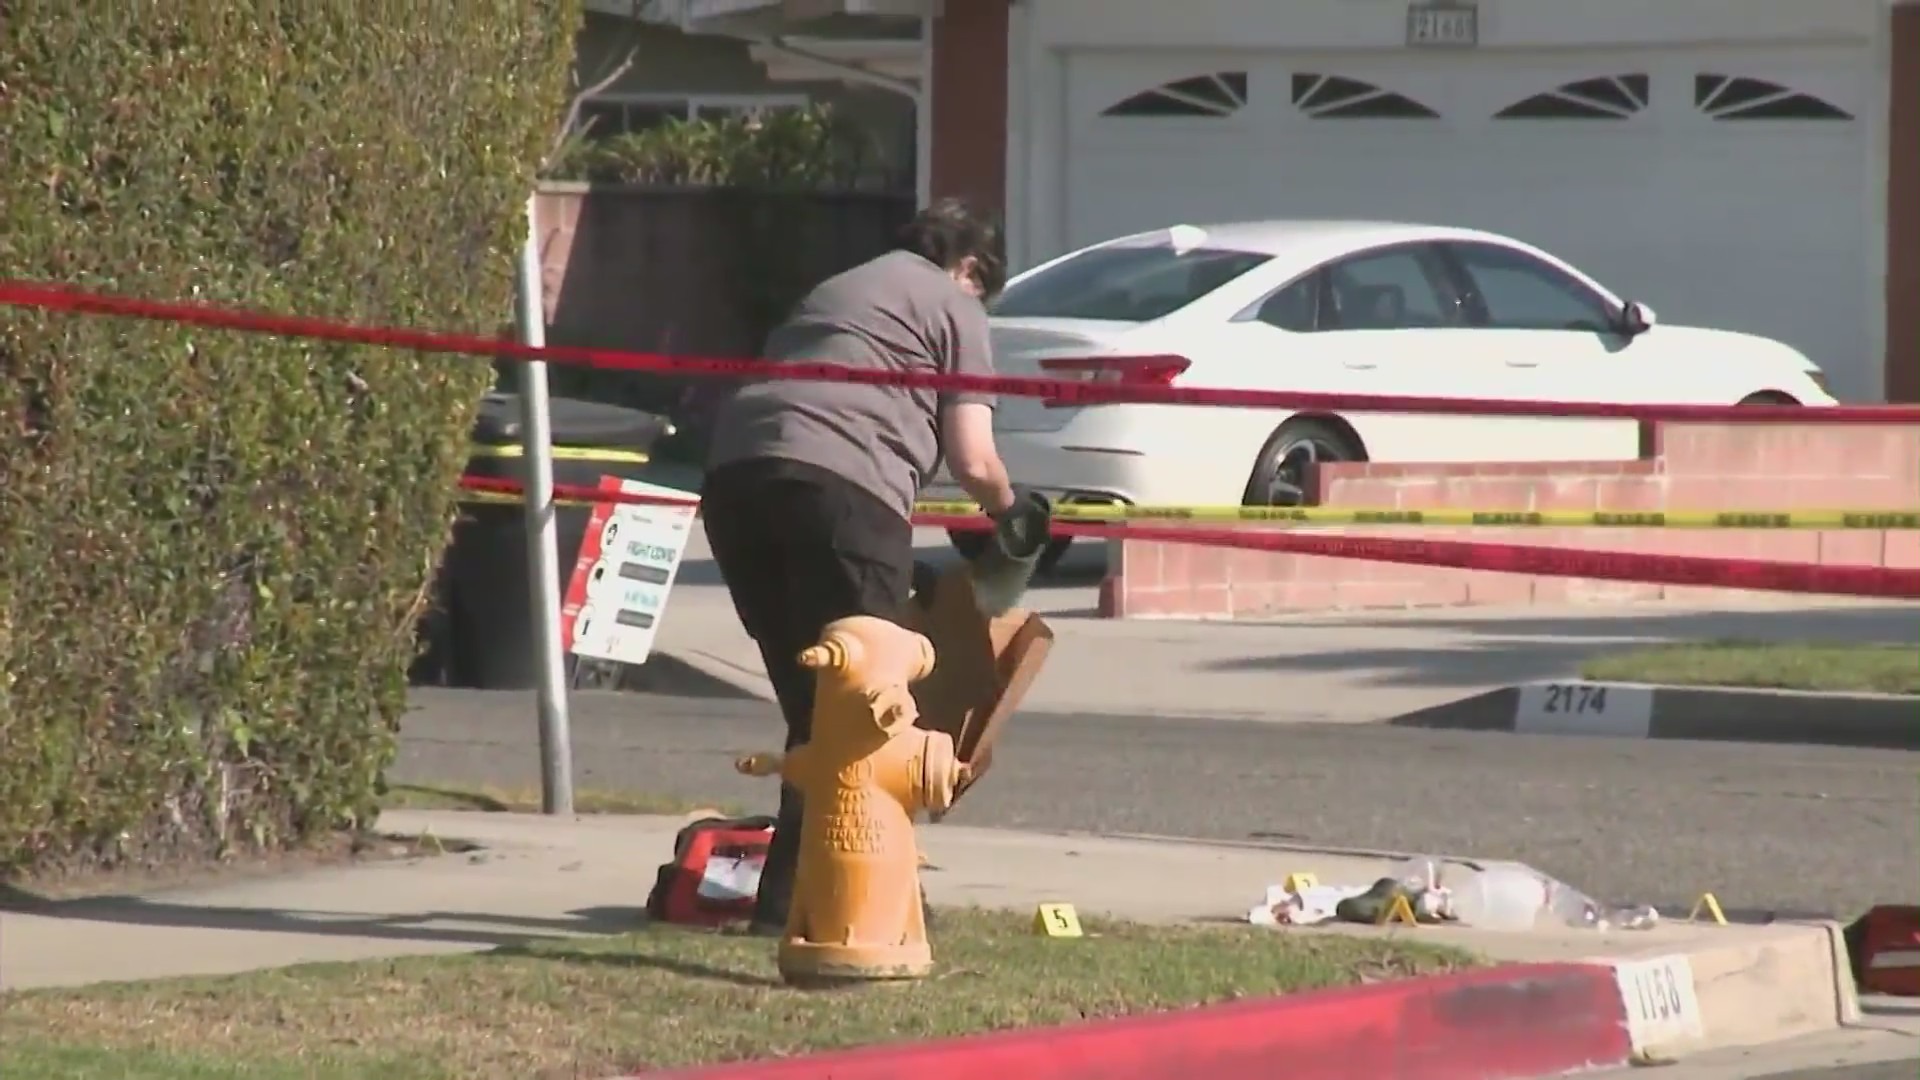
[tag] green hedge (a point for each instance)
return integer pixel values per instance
(813, 148)
(213, 546)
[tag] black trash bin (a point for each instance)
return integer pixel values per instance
(481, 635)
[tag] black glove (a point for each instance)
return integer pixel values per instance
(1021, 529)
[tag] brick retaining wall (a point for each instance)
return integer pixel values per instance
(1698, 467)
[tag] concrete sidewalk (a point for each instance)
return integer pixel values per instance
(1329, 667)
(539, 877)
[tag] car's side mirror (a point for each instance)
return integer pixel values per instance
(1636, 318)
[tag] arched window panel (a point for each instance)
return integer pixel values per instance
(1613, 97)
(1736, 97)
(1335, 97)
(1221, 93)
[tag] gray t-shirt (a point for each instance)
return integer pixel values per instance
(898, 312)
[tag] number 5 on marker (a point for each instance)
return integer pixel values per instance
(1057, 920)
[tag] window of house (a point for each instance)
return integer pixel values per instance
(1519, 292)
(606, 115)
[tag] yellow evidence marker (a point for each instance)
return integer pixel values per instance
(1057, 920)
(1299, 881)
(1398, 911)
(1711, 905)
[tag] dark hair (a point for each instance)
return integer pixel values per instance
(947, 232)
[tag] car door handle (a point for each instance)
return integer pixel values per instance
(1359, 365)
(1523, 363)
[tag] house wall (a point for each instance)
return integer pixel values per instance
(970, 113)
(1027, 134)
(1903, 206)
(670, 62)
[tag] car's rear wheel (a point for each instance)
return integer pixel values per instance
(1283, 473)
(1769, 397)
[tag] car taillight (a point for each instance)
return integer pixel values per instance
(1134, 370)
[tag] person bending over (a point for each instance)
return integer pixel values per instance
(810, 485)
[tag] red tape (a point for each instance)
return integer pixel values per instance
(1753, 574)
(1064, 392)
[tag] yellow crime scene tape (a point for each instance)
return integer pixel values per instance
(564, 453)
(1316, 515)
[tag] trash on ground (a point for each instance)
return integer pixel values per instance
(1301, 901)
(1501, 896)
(1516, 897)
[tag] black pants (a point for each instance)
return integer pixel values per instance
(798, 548)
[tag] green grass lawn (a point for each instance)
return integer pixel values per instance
(1883, 669)
(660, 997)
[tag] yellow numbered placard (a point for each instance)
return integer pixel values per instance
(1057, 920)
(1299, 881)
(1400, 911)
(1710, 904)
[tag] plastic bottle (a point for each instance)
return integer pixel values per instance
(1421, 872)
(1568, 906)
(1501, 896)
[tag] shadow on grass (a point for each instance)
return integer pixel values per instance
(413, 796)
(478, 929)
(627, 960)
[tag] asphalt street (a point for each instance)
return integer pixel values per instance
(1770, 829)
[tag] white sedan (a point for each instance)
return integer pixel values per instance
(1338, 307)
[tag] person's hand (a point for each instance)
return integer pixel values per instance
(1022, 527)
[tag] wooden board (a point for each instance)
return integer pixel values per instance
(983, 667)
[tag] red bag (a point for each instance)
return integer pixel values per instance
(715, 872)
(1887, 959)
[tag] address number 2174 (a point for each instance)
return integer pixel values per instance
(1575, 699)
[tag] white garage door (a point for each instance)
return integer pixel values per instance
(1726, 188)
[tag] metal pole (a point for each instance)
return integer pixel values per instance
(923, 113)
(543, 557)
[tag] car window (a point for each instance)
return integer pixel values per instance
(1520, 292)
(1398, 289)
(1294, 308)
(1131, 283)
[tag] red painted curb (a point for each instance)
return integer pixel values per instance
(1506, 1023)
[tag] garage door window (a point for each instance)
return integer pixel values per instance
(1729, 98)
(1335, 97)
(1222, 93)
(1133, 283)
(1614, 98)
(1401, 289)
(1519, 292)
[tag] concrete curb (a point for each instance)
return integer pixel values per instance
(1756, 985)
(1645, 711)
(1753, 986)
(1504, 1023)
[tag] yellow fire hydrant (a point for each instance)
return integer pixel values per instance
(856, 914)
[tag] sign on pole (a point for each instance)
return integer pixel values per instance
(628, 560)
